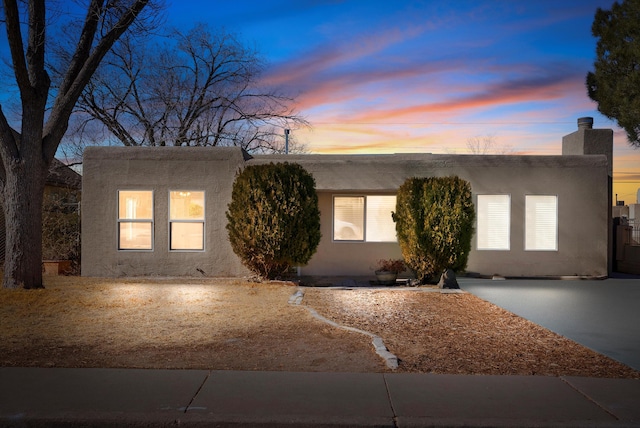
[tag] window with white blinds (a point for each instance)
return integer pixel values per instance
(541, 223)
(379, 224)
(348, 218)
(494, 222)
(364, 218)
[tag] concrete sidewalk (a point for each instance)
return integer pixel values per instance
(130, 397)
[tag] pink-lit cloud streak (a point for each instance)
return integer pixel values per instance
(351, 103)
(375, 76)
(340, 95)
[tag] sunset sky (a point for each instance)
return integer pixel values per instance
(425, 76)
(375, 76)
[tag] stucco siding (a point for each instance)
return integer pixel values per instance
(108, 170)
(580, 183)
(344, 258)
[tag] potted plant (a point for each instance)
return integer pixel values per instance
(387, 270)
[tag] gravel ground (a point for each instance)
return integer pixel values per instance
(232, 324)
(459, 334)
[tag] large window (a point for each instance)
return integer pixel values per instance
(494, 222)
(541, 223)
(186, 220)
(379, 225)
(364, 218)
(135, 220)
(348, 218)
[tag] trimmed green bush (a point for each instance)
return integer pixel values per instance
(273, 218)
(434, 222)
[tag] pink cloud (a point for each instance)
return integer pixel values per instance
(328, 56)
(502, 93)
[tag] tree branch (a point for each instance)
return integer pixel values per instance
(14, 36)
(38, 76)
(199, 90)
(58, 120)
(83, 48)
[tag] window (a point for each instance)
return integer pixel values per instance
(186, 220)
(364, 218)
(541, 223)
(135, 220)
(494, 222)
(348, 218)
(379, 224)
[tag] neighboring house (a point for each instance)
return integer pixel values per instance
(626, 220)
(161, 211)
(61, 179)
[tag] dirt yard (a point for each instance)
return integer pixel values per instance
(236, 324)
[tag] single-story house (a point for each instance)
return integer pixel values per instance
(161, 211)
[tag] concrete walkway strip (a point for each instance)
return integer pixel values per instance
(58, 397)
(280, 398)
(77, 395)
(494, 400)
(619, 397)
(378, 344)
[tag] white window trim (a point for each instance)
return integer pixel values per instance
(508, 248)
(364, 219)
(126, 220)
(203, 222)
(557, 237)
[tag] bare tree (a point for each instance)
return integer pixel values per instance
(198, 88)
(27, 148)
(486, 145)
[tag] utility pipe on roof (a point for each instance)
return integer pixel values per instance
(286, 141)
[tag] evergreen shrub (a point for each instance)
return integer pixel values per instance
(434, 222)
(273, 218)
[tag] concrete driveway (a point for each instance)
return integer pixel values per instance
(603, 315)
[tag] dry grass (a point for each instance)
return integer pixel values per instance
(461, 334)
(220, 324)
(234, 324)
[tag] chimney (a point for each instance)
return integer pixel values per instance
(589, 141)
(585, 123)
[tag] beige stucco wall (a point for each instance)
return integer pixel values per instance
(580, 183)
(588, 141)
(345, 258)
(161, 169)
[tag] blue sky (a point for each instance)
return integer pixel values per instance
(425, 76)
